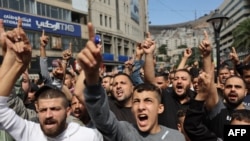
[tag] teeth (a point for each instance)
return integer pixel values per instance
(119, 91)
(142, 115)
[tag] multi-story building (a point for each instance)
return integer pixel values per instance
(121, 23)
(173, 36)
(177, 34)
(237, 11)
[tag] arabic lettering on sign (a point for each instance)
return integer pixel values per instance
(56, 26)
(24, 19)
(15, 23)
(10, 19)
(30, 22)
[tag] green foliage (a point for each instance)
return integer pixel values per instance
(241, 35)
(182, 46)
(160, 59)
(195, 56)
(162, 49)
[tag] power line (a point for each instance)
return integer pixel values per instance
(172, 9)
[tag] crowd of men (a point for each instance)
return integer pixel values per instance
(141, 103)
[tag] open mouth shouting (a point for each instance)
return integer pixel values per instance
(142, 120)
(50, 123)
(179, 89)
(232, 97)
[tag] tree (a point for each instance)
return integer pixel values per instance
(182, 46)
(241, 35)
(162, 49)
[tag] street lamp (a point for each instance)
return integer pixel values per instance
(217, 20)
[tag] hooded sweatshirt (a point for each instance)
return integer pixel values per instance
(24, 130)
(107, 123)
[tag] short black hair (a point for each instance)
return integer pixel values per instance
(246, 67)
(124, 74)
(162, 74)
(49, 92)
(110, 76)
(244, 82)
(184, 70)
(241, 115)
(149, 87)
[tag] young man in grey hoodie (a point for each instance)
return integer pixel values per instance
(146, 104)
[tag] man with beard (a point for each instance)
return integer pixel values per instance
(246, 77)
(174, 98)
(52, 105)
(234, 94)
(194, 121)
(146, 103)
(106, 83)
(121, 101)
(79, 111)
(223, 74)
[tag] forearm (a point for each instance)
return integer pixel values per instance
(149, 71)
(67, 92)
(135, 76)
(42, 51)
(98, 109)
(213, 98)
(182, 63)
(44, 69)
(79, 87)
(7, 63)
(64, 66)
(9, 78)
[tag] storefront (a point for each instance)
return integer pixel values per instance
(60, 33)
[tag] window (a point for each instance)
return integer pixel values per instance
(100, 19)
(110, 22)
(126, 51)
(19, 5)
(107, 47)
(128, 28)
(53, 12)
(125, 28)
(119, 50)
(105, 20)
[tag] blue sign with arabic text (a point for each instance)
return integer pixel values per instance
(36, 23)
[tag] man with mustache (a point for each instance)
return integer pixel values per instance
(174, 98)
(234, 94)
(146, 103)
(52, 105)
(234, 91)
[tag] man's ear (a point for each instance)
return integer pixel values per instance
(160, 108)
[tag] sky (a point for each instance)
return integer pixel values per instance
(165, 12)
